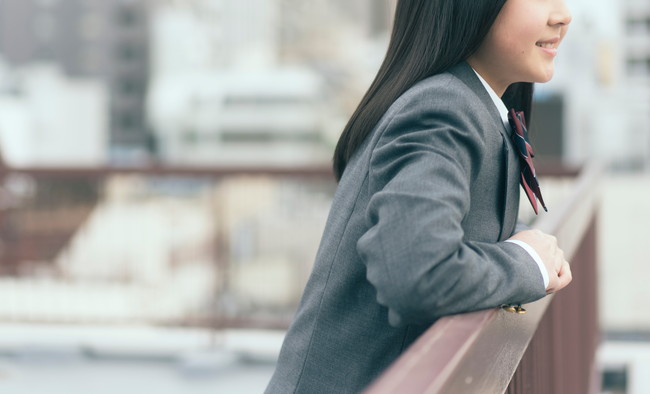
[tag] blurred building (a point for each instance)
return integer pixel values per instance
(218, 94)
(268, 116)
(637, 68)
(49, 118)
(103, 39)
(637, 50)
(199, 35)
(325, 28)
(344, 41)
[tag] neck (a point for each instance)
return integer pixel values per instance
(499, 88)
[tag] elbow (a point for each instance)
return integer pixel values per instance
(405, 303)
(401, 314)
(416, 285)
(417, 299)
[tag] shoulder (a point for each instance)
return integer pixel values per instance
(443, 118)
(447, 101)
(456, 91)
(448, 110)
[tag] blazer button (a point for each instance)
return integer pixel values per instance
(514, 309)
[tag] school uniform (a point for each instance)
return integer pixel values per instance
(416, 231)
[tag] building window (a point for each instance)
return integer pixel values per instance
(127, 52)
(128, 121)
(126, 17)
(638, 67)
(638, 26)
(129, 87)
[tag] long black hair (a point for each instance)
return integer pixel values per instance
(429, 37)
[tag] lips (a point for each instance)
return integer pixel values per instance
(549, 46)
(553, 43)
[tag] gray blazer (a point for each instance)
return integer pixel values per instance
(415, 232)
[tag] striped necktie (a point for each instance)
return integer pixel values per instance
(528, 176)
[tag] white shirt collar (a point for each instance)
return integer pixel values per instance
(501, 107)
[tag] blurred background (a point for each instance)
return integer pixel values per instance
(164, 180)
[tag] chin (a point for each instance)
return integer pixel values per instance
(546, 76)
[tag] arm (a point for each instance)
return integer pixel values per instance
(415, 252)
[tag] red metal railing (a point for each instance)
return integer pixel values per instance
(550, 349)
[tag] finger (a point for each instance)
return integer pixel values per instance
(554, 282)
(565, 277)
(567, 272)
(564, 269)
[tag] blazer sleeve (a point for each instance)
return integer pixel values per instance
(414, 250)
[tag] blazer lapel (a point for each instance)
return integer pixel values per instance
(510, 185)
(511, 200)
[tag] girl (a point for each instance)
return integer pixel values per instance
(423, 223)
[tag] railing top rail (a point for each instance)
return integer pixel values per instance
(480, 351)
(312, 171)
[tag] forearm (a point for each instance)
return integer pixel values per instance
(476, 276)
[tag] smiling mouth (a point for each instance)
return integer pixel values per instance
(548, 45)
(552, 43)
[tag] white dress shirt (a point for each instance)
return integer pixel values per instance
(503, 111)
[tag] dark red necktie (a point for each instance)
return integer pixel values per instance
(528, 176)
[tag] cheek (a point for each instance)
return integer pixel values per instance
(525, 38)
(516, 40)
(510, 48)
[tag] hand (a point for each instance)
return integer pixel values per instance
(559, 272)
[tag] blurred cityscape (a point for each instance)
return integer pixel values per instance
(164, 178)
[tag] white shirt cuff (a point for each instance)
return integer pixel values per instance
(529, 249)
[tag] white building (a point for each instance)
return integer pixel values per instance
(50, 119)
(272, 116)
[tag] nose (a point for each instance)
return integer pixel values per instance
(561, 15)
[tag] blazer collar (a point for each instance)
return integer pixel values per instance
(467, 75)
